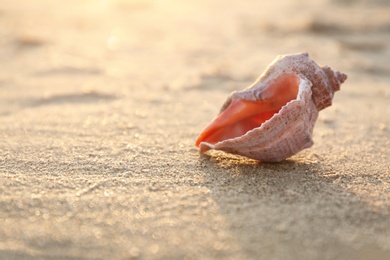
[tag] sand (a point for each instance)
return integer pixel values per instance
(101, 103)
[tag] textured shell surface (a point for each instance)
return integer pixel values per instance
(274, 118)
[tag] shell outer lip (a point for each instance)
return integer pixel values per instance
(303, 95)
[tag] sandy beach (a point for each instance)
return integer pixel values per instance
(101, 103)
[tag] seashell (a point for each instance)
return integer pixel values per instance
(274, 118)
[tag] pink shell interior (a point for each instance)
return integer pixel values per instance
(242, 116)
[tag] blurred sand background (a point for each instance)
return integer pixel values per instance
(101, 102)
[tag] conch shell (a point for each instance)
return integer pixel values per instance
(274, 118)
